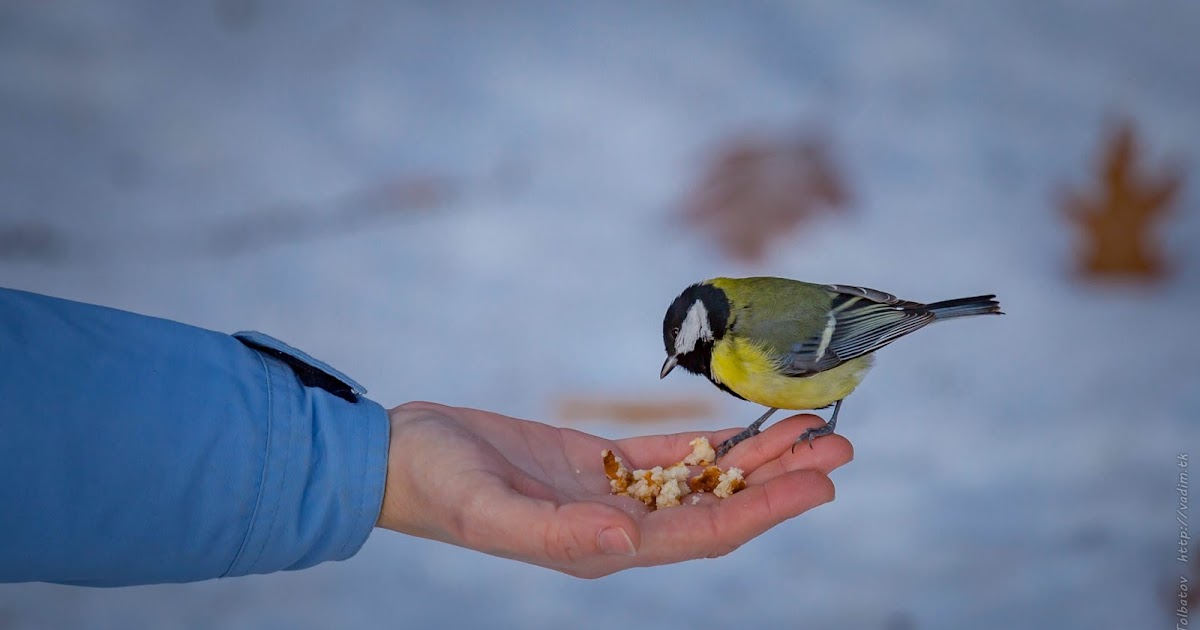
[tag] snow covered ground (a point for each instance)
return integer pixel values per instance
(1009, 473)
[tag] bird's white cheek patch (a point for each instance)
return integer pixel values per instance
(694, 328)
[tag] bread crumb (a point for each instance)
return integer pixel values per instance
(674, 486)
(661, 487)
(730, 482)
(702, 453)
(706, 481)
(646, 485)
(619, 477)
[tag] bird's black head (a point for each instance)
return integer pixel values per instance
(695, 321)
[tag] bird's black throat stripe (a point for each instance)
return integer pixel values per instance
(723, 386)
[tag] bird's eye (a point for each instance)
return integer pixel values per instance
(675, 331)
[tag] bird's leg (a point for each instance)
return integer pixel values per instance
(821, 431)
(748, 432)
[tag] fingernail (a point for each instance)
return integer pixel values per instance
(614, 541)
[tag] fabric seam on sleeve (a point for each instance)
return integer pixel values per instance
(273, 522)
(362, 488)
(262, 480)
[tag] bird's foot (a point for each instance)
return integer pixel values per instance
(814, 433)
(746, 434)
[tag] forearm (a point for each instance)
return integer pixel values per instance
(136, 450)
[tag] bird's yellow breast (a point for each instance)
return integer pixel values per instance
(754, 375)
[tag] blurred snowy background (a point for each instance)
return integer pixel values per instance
(438, 197)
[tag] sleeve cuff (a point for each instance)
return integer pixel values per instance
(324, 472)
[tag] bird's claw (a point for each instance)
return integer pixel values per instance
(812, 434)
(725, 446)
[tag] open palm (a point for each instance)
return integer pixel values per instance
(537, 493)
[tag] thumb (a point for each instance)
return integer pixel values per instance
(595, 529)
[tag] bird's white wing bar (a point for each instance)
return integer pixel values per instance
(826, 335)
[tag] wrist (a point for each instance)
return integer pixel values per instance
(391, 510)
(403, 495)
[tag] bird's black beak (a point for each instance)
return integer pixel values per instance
(668, 365)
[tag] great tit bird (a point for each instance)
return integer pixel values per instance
(787, 344)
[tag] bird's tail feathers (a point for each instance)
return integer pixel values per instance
(963, 307)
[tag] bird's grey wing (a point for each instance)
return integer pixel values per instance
(860, 321)
(871, 294)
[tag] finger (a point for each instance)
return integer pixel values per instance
(770, 444)
(663, 450)
(503, 522)
(826, 455)
(686, 533)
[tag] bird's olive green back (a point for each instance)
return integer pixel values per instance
(776, 313)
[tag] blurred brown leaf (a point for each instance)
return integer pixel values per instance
(400, 195)
(1116, 219)
(755, 191)
(577, 408)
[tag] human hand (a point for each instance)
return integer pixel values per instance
(536, 493)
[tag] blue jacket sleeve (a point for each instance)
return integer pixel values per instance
(138, 450)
